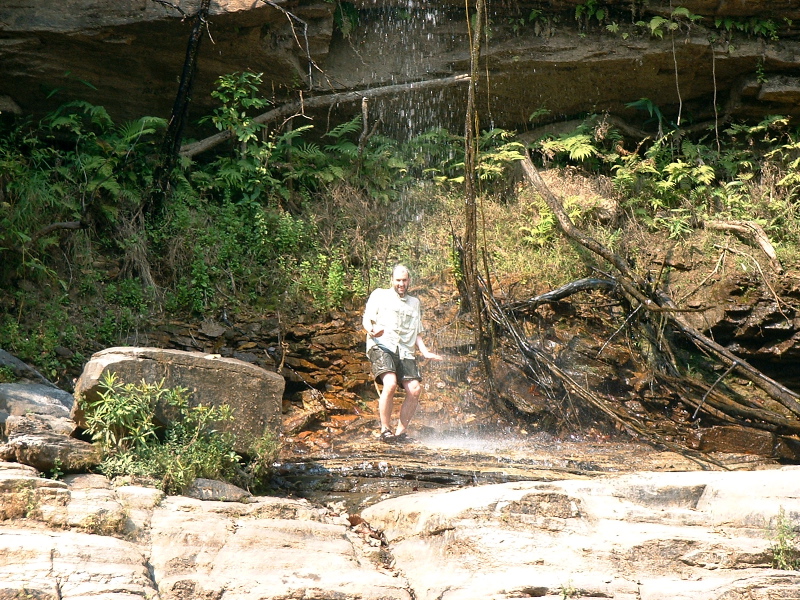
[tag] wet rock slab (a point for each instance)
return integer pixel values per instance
(358, 470)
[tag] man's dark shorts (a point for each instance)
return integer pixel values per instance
(382, 362)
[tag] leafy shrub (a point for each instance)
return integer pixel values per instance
(784, 536)
(122, 422)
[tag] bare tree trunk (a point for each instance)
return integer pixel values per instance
(474, 296)
(180, 111)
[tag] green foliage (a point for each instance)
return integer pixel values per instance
(326, 282)
(681, 17)
(36, 340)
(122, 422)
(784, 548)
(441, 156)
(122, 418)
(292, 217)
(75, 165)
(7, 375)
(519, 23)
(346, 17)
(673, 181)
(238, 93)
(591, 9)
(590, 144)
(56, 472)
(262, 454)
(753, 27)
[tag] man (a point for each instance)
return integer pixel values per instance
(393, 322)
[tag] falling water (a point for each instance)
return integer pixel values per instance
(413, 41)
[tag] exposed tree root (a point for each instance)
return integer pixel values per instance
(715, 400)
(540, 361)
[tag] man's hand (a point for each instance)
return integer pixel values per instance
(432, 355)
(423, 349)
(375, 332)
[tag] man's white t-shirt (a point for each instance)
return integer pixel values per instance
(399, 317)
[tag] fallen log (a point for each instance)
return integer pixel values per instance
(298, 108)
(573, 287)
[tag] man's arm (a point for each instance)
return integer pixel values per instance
(423, 349)
(369, 320)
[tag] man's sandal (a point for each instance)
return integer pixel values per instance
(387, 436)
(402, 437)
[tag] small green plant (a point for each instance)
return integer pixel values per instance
(122, 422)
(614, 28)
(518, 23)
(261, 456)
(584, 13)
(567, 590)
(239, 94)
(538, 113)
(57, 472)
(680, 17)
(346, 18)
(784, 548)
(7, 374)
(31, 497)
(325, 280)
(761, 73)
(753, 27)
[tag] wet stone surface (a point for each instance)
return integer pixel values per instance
(359, 470)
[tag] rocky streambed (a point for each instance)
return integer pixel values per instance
(549, 534)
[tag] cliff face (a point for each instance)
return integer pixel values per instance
(564, 57)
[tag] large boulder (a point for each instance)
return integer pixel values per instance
(254, 394)
(31, 441)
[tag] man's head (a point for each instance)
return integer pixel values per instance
(400, 280)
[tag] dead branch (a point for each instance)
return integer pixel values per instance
(781, 394)
(542, 360)
(573, 287)
(299, 107)
(54, 227)
(305, 46)
(750, 232)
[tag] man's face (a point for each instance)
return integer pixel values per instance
(400, 281)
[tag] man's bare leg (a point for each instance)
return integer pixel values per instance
(410, 403)
(386, 400)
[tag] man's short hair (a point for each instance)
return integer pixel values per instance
(400, 267)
